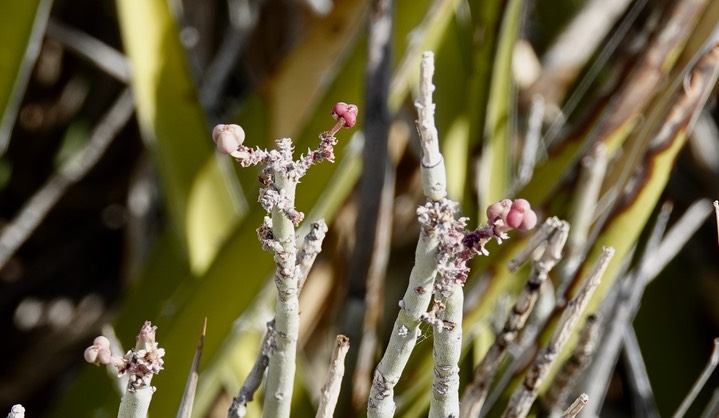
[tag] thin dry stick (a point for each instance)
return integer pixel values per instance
(582, 213)
(567, 376)
(523, 398)
(639, 385)
(712, 408)
(539, 238)
(331, 389)
(576, 407)
(311, 247)
(531, 142)
(421, 282)
(244, 15)
(716, 213)
(476, 392)
(368, 264)
(631, 292)
(106, 58)
(708, 370)
(188, 397)
(238, 408)
(34, 211)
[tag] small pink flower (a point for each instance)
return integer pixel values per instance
(521, 215)
(101, 342)
(345, 114)
(228, 138)
(530, 220)
(498, 210)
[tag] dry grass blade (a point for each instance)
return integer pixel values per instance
(476, 392)
(566, 378)
(188, 397)
(708, 370)
(576, 407)
(524, 396)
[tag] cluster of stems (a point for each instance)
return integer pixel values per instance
(440, 271)
(280, 175)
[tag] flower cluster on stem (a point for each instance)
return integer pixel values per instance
(279, 178)
(140, 363)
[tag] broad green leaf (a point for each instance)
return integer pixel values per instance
(496, 162)
(21, 31)
(174, 125)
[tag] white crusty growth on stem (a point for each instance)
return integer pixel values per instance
(279, 180)
(434, 177)
(416, 299)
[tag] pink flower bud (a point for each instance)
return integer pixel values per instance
(515, 218)
(530, 220)
(346, 112)
(228, 138)
(101, 342)
(104, 356)
(498, 210)
(521, 205)
(91, 354)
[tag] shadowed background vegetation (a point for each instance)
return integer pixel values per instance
(115, 209)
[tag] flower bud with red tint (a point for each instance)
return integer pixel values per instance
(228, 138)
(345, 112)
(530, 220)
(521, 215)
(498, 210)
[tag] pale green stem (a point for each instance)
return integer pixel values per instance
(136, 404)
(281, 370)
(444, 401)
(421, 282)
(406, 327)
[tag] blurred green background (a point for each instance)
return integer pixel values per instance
(115, 209)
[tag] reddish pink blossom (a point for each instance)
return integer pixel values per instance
(344, 113)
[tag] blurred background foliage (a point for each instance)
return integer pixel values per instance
(115, 209)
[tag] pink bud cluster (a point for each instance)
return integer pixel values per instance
(141, 363)
(506, 214)
(99, 353)
(345, 115)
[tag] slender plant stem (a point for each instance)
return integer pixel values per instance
(525, 395)
(701, 381)
(281, 370)
(567, 376)
(444, 400)
(639, 385)
(576, 407)
(416, 300)
(476, 392)
(188, 397)
(370, 256)
(331, 389)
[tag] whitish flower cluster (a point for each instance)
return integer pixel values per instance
(140, 363)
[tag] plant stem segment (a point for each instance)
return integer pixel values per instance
(281, 371)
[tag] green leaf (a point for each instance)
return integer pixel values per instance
(21, 32)
(173, 123)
